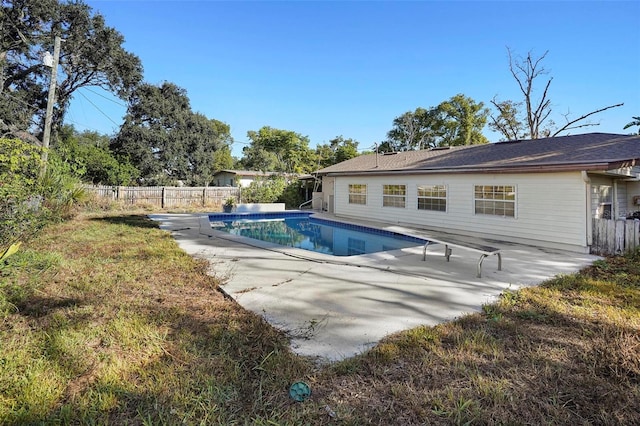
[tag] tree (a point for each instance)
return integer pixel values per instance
(91, 55)
(635, 122)
(257, 158)
(165, 140)
(419, 129)
(457, 121)
(462, 121)
(88, 156)
(278, 150)
(506, 122)
(325, 156)
(537, 116)
(338, 150)
(345, 149)
(222, 159)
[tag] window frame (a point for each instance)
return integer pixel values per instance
(605, 201)
(437, 188)
(352, 195)
(394, 197)
(496, 200)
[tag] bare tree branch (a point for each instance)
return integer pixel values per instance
(10, 129)
(525, 72)
(568, 125)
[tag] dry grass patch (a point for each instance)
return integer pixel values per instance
(106, 320)
(111, 322)
(566, 352)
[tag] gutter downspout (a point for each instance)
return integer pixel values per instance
(589, 213)
(333, 207)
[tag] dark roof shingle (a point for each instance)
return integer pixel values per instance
(576, 152)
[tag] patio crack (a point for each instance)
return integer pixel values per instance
(288, 280)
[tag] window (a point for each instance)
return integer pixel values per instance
(394, 195)
(432, 197)
(605, 198)
(357, 194)
(495, 200)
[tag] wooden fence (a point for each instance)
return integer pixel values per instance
(611, 237)
(166, 196)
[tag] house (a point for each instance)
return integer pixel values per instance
(242, 178)
(542, 192)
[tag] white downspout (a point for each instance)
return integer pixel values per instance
(333, 208)
(589, 213)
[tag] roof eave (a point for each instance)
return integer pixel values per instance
(500, 169)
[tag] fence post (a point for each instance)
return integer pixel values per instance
(619, 229)
(164, 197)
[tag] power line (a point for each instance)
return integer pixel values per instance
(105, 97)
(35, 108)
(83, 125)
(96, 107)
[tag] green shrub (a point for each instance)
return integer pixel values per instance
(20, 164)
(292, 195)
(29, 201)
(264, 190)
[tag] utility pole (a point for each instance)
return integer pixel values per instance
(50, 101)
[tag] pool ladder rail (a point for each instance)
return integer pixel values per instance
(309, 201)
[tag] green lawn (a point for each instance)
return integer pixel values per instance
(106, 320)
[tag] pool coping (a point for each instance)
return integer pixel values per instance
(370, 260)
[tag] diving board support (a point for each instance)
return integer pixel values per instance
(484, 256)
(484, 253)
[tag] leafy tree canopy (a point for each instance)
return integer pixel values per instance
(222, 159)
(166, 141)
(90, 159)
(91, 55)
(462, 121)
(633, 123)
(457, 121)
(337, 150)
(419, 129)
(278, 151)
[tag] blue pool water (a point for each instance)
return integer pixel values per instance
(297, 229)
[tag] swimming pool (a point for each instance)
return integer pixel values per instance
(299, 230)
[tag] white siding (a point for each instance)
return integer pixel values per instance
(633, 194)
(244, 181)
(328, 195)
(550, 207)
(621, 200)
(225, 179)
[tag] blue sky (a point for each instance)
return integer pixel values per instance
(324, 69)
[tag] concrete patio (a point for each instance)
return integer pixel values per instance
(336, 307)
